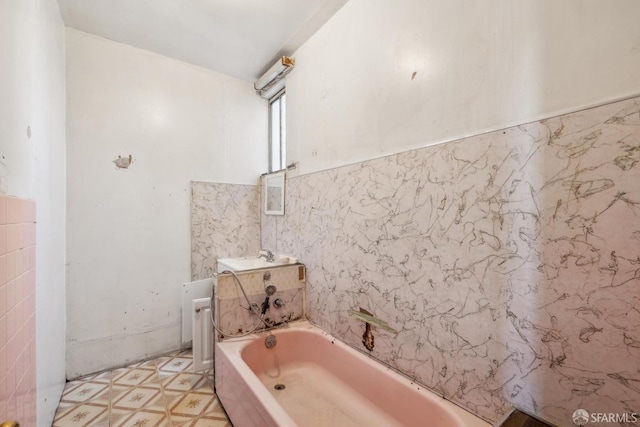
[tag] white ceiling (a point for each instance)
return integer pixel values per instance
(240, 38)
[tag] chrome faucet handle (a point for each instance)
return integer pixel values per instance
(268, 255)
(278, 303)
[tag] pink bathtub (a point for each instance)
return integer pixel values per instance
(311, 379)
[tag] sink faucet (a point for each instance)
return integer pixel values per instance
(268, 255)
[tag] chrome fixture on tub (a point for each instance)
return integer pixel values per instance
(268, 255)
(270, 341)
(269, 290)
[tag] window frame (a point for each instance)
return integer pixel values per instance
(280, 145)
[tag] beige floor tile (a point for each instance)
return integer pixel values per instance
(63, 408)
(172, 397)
(85, 414)
(117, 415)
(184, 382)
(214, 417)
(192, 404)
(102, 377)
(144, 418)
(145, 364)
(163, 392)
(175, 365)
(70, 385)
(204, 421)
(210, 422)
(178, 421)
(134, 377)
(217, 410)
(86, 391)
(138, 397)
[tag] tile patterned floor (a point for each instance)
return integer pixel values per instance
(164, 392)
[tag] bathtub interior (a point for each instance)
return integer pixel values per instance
(313, 366)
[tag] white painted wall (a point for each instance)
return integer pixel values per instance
(236, 38)
(129, 230)
(479, 66)
(32, 89)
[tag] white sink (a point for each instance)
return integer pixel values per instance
(249, 263)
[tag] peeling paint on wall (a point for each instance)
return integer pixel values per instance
(123, 162)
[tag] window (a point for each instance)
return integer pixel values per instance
(277, 132)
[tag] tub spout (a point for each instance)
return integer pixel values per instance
(265, 306)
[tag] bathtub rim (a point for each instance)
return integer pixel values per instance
(235, 346)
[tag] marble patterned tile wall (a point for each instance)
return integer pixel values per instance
(509, 262)
(225, 222)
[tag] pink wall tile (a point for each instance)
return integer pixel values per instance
(3, 239)
(11, 323)
(17, 310)
(11, 267)
(13, 237)
(11, 294)
(3, 268)
(3, 300)
(10, 208)
(3, 210)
